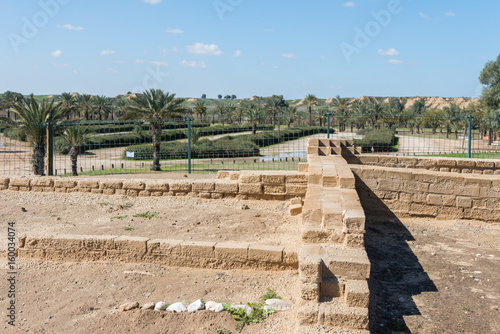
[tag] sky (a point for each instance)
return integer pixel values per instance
(246, 48)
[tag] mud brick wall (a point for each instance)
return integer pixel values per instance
(450, 165)
(195, 254)
(422, 193)
(240, 185)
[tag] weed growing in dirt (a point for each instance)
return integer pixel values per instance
(242, 318)
(128, 228)
(119, 217)
(127, 205)
(147, 214)
(222, 330)
(466, 308)
(270, 294)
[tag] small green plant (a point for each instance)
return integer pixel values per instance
(257, 314)
(222, 330)
(147, 214)
(270, 294)
(119, 217)
(466, 308)
(127, 205)
(128, 228)
(103, 203)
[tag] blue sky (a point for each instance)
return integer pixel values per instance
(246, 48)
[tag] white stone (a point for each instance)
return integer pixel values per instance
(177, 307)
(128, 306)
(214, 306)
(160, 306)
(148, 306)
(278, 304)
(196, 305)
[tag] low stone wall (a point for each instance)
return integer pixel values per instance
(196, 254)
(422, 193)
(240, 185)
(465, 166)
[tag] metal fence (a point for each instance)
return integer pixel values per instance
(210, 145)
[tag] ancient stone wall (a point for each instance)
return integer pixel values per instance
(422, 193)
(450, 165)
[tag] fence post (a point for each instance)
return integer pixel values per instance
(50, 149)
(469, 152)
(189, 145)
(328, 125)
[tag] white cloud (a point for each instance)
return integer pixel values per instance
(158, 63)
(70, 27)
(262, 63)
(152, 2)
(204, 49)
(75, 72)
(175, 31)
(56, 53)
(450, 14)
(112, 70)
(107, 52)
(276, 67)
(192, 63)
(388, 52)
(237, 53)
(349, 4)
(395, 61)
(289, 55)
(139, 61)
(424, 16)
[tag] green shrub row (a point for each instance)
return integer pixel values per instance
(203, 149)
(132, 126)
(267, 138)
(381, 140)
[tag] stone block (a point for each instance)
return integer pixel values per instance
(203, 186)
(262, 253)
(88, 184)
(226, 187)
(133, 185)
(296, 190)
(274, 179)
(110, 184)
(357, 293)
(65, 183)
(223, 174)
(19, 182)
(42, 182)
(179, 186)
(295, 209)
(231, 251)
(246, 177)
(164, 247)
(464, 202)
(250, 188)
(274, 189)
(198, 249)
(157, 186)
(136, 245)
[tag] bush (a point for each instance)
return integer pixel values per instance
(267, 138)
(15, 133)
(204, 149)
(382, 140)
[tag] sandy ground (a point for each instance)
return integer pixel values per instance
(184, 218)
(434, 276)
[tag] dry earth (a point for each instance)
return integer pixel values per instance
(429, 276)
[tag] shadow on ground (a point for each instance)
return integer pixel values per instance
(396, 273)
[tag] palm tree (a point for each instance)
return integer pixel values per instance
(200, 109)
(230, 111)
(311, 101)
(342, 107)
(376, 111)
(253, 114)
(84, 103)
(34, 118)
(275, 105)
(68, 102)
(154, 106)
(101, 106)
(75, 137)
(290, 114)
(220, 109)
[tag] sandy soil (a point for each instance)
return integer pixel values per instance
(184, 218)
(434, 276)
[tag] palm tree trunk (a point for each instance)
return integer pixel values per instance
(310, 116)
(73, 153)
(38, 158)
(156, 130)
(253, 128)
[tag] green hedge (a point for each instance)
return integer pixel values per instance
(203, 149)
(15, 133)
(113, 127)
(225, 147)
(382, 140)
